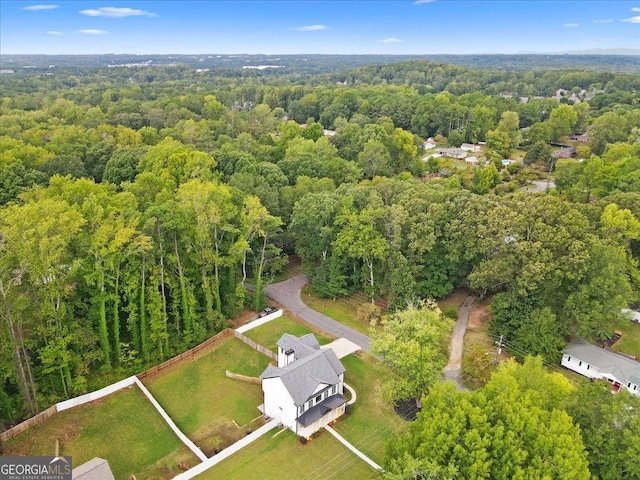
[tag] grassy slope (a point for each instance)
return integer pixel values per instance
(630, 341)
(342, 310)
(371, 422)
(269, 333)
(284, 457)
(203, 402)
(122, 428)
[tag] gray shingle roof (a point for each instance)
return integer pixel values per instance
(302, 347)
(302, 377)
(317, 411)
(621, 367)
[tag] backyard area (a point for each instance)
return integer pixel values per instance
(630, 341)
(268, 334)
(123, 428)
(212, 410)
(285, 457)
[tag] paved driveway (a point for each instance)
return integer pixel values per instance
(287, 294)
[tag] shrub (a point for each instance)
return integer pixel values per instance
(450, 312)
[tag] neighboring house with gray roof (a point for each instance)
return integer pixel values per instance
(305, 391)
(94, 469)
(598, 363)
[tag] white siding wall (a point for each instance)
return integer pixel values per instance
(577, 365)
(278, 403)
(321, 422)
(589, 371)
(283, 359)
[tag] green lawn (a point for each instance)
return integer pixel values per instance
(630, 341)
(372, 421)
(204, 403)
(122, 428)
(269, 333)
(341, 310)
(285, 457)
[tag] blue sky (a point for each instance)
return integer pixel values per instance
(339, 27)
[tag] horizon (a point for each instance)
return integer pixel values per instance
(444, 27)
(604, 52)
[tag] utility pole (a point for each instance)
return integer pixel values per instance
(498, 349)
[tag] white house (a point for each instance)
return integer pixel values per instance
(632, 315)
(430, 143)
(470, 147)
(472, 160)
(305, 391)
(453, 153)
(600, 364)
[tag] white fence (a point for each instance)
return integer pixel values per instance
(259, 321)
(90, 397)
(67, 404)
(192, 446)
(227, 452)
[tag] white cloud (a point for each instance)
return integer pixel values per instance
(632, 19)
(571, 25)
(420, 2)
(391, 40)
(311, 28)
(117, 12)
(606, 20)
(37, 8)
(54, 33)
(635, 9)
(92, 31)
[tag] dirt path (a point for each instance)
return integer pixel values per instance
(453, 370)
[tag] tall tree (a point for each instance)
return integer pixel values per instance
(413, 342)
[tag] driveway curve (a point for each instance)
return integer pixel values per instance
(287, 294)
(453, 370)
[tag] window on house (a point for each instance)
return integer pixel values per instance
(588, 366)
(318, 399)
(302, 408)
(334, 389)
(580, 364)
(568, 359)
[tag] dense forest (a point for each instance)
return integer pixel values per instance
(136, 203)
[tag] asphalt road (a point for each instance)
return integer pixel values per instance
(539, 186)
(287, 294)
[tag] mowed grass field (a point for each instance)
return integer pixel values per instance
(123, 428)
(372, 421)
(343, 310)
(268, 334)
(284, 457)
(630, 341)
(212, 410)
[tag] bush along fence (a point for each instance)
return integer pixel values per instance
(108, 390)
